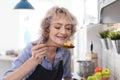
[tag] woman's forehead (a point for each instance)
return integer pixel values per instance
(61, 19)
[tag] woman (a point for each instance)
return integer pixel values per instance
(46, 59)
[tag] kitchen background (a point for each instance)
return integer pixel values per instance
(20, 27)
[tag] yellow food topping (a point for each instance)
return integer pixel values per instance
(66, 44)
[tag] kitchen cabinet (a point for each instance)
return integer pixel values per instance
(107, 2)
(101, 5)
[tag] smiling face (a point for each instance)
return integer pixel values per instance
(60, 30)
(58, 26)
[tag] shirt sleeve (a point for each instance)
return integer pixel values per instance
(24, 55)
(67, 64)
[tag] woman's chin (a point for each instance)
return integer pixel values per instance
(60, 43)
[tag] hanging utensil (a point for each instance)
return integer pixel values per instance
(91, 47)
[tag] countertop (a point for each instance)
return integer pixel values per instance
(7, 58)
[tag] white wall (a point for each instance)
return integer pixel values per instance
(9, 25)
(87, 34)
(93, 35)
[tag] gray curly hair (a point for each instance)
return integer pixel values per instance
(55, 12)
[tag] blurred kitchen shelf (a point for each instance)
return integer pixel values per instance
(7, 58)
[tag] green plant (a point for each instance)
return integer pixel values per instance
(114, 35)
(104, 33)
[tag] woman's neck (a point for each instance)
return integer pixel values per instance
(51, 52)
(51, 49)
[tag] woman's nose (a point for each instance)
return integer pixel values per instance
(63, 31)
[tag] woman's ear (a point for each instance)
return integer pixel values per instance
(48, 30)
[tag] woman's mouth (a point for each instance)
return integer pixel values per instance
(62, 37)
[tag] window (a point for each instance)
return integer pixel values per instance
(91, 11)
(30, 22)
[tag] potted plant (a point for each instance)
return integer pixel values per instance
(115, 38)
(104, 34)
(104, 38)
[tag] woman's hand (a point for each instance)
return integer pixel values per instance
(38, 52)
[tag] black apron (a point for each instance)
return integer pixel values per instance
(41, 73)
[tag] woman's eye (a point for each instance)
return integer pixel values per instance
(68, 28)
(57, 27)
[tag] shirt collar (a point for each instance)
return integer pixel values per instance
(59, 53)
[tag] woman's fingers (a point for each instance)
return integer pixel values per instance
(38, 46)
(39, 51)
(40, 55)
